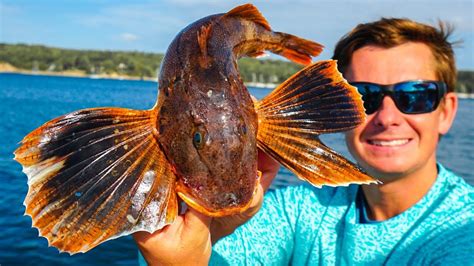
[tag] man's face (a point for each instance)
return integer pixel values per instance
(392, 144)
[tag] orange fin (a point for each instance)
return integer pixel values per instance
(315, 100)
(249, 12)
(202, 38)
(297, 49)
(94, 175)
(294, 48)
(257, 54)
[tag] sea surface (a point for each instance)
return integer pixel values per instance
(28, 101)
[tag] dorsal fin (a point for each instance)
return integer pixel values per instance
(249, 12)
(202, 38)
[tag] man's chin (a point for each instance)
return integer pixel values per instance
(387, 171)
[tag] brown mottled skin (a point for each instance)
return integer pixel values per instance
(203, 96)
(201, 91)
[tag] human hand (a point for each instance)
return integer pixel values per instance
(187, 240)
(224, 226)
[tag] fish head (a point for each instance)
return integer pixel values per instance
(211, 144)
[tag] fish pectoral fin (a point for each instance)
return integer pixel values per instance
(312, 161)
(315, 100)
(94, 175)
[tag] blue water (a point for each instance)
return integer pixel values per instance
(26, 102)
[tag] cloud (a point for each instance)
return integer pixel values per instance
(128, 37)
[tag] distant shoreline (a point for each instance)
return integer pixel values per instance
(71, 73)
(465, 95)
(115, 76)
(79, 74)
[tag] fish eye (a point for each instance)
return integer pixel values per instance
(243, 129)
(198, 140)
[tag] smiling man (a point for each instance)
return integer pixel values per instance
(397, 143)
(421, 214)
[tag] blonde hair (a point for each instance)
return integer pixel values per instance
(390, 32)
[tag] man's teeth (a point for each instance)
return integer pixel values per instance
(396, 142)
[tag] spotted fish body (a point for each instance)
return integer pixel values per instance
(203, 98)
(207, 122)
(97, 174)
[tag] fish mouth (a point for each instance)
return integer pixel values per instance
(185, 194)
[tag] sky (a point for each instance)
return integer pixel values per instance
(150, 26)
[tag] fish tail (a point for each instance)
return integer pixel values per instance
(297, 49)
(294, 48)
(96, 174)
(315, 100)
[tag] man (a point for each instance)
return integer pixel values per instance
(422, 214)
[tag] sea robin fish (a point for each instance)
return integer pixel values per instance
(101, 173)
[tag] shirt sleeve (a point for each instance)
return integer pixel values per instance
(265, 239)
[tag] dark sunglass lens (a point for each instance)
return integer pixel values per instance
(415, 97)
(371, 95)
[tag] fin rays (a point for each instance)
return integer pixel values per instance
(313, 101)
(95, 175)
(90, 161)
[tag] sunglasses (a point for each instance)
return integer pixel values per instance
(410, 97)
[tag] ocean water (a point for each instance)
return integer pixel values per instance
(26, 102)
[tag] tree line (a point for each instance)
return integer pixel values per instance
(146, 65)
(43, 58)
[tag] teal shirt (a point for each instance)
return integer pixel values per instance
(302, 225)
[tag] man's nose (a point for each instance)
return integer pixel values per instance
(388, 114)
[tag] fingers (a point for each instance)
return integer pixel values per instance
(189, 221)
(144, 238)
(186, 239)
(197, 220)
(256, 203)
(269, 168)
(197, 228)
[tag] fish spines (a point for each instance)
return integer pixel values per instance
(248, 12)
(315, 100)
(93, 176)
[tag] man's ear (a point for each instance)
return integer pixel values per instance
(449, 107)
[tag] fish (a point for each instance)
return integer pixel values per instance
(100, 173)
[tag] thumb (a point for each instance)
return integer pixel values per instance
(141, 236)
